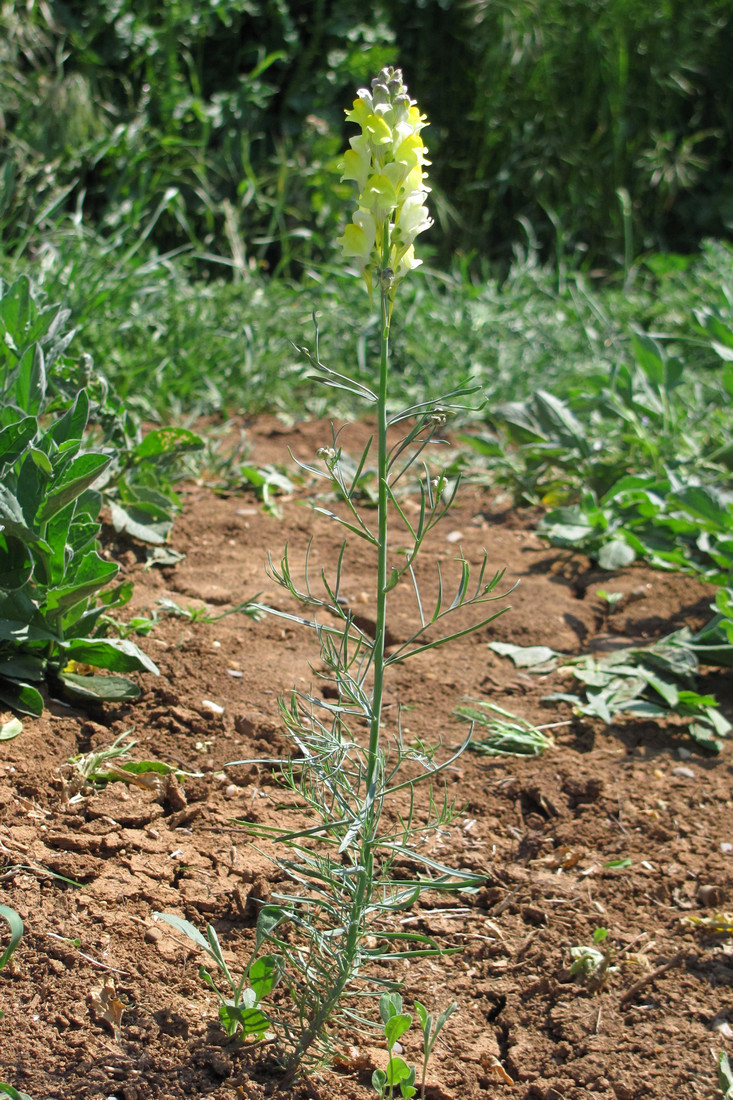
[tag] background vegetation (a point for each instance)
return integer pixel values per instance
(598, 128)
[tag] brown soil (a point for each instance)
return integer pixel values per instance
(543, 833)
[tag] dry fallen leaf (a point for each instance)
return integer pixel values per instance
(106, 1005)
(497, 1068)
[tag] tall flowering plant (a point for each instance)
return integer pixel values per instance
(330, 934)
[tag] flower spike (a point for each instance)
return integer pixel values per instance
(386, 161)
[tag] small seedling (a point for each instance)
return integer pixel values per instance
(591, 965)
(109, 763)
(611, 600)
(240, 1015)
(398, 1073)
(431, 1029)
(203, 615)
(16, 933)
(396, 1022)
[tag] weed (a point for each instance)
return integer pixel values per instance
(329, 931)
(592, 964)
(507, 735)
(16, 933)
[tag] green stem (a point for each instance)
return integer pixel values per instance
(381, 593)
(364, 878)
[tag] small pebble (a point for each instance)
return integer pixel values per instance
(685, 773)
(215, 708)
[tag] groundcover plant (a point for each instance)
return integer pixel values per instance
(322, 938)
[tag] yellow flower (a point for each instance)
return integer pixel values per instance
(386, 161)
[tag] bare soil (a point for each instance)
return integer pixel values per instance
(545, 833)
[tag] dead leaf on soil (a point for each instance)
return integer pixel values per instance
(106, 1006)
(498, 1070)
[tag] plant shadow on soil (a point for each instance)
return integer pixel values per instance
(548, 834)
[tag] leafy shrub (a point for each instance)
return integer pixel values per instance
(54, 583)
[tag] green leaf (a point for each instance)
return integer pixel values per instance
(30, 383)
(72, 424)
(187, 928)
(91, 574)
(81, 472)
(109, 689)
(264, 974)
(379, 1081)
(139, 524)
(649, 356)
(251, 1020)
(168, 441)
(390, 1004)
(10, 729)
(707, 503)
(398, 1071)
(524, 656)
(15, 438)
(116, 654)
(16, 932)
(395, 1027)
(268, 918)
(16, 563)
(725, 1077)
(21, 697)
(615, 555)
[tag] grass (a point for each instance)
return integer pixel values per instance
(178, 339)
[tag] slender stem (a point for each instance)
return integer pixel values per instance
(381, 593)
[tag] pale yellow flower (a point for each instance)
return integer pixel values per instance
(386, 161)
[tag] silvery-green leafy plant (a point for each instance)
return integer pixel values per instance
(353, 866)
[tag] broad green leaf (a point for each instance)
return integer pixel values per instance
(16, 563)
(268, 918)
(524, 656)
(168, 441)
(396, 1027)
(81, 472)
(72, 424)
(109, 689)
(390, 1004)
(398, 1071)
(16, 932)
(379, 1081)
(559, 422)
(264, 974)
(21, 697)
(30, 383)
(139, 524)
(23, 667)
(707, 503)
(11, 729)
(649, 356)
(15, 438)
(116, 654)
(91, 574)
(250, 1020)
(615, 555)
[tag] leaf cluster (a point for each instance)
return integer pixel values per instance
(54, 582)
